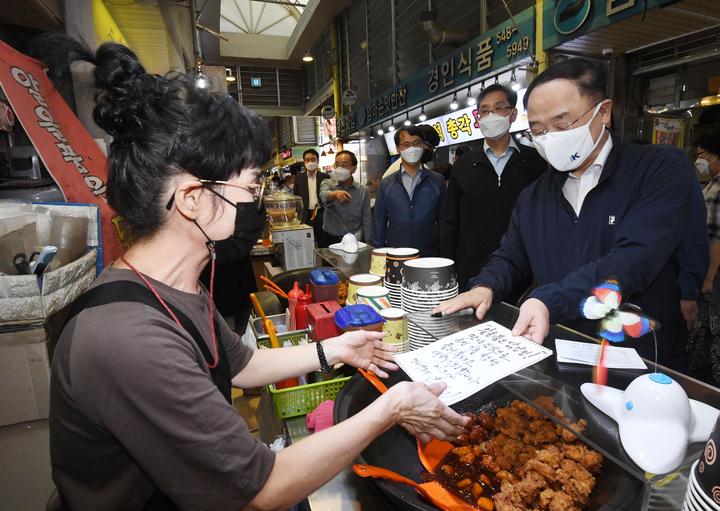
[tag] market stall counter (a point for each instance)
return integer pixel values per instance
(622, 484)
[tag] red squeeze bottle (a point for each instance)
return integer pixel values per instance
(293, 297)
(301, 309)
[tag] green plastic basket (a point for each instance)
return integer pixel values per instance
(295, 339)
(305, 398)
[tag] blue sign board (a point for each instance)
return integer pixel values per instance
(493, 50)
(564, 20)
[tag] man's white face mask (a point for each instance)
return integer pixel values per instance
(567, 150)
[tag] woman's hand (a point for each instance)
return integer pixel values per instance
(418, 409)
(362, 349)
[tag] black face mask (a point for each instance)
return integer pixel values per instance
(249, 226)
(427, 155)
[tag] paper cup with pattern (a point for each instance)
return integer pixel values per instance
(358, 281)
(377, 262)
(396, 327)
(707, 470)
(376, 297)
(396, 261)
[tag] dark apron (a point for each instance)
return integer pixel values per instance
(128, 291)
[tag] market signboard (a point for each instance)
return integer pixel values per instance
(565, 20)
(495, 49)
(461, 126)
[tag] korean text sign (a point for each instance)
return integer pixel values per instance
(493, 50)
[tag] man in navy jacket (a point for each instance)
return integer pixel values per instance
(408, 203)
(606, 208)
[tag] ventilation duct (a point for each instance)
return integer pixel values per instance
(440, 36)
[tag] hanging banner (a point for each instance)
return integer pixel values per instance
(66, 149)
(498, 48)
(668, 131)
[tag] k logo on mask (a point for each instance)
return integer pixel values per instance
(574, 157)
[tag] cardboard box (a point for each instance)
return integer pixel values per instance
(24, 375)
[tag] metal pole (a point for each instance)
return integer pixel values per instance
(367, 49)
(336, 72)
(541, 56)
(430, 55)
(347, 47)
(277, 81)
(484, 28)
(393, 41)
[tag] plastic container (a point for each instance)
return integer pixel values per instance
(358, 317)
(323, 285)
(284, 209)
(305, 398)
(279, 320)
(301, 309)
(293, 297)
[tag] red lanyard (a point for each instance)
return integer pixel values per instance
(212, 281)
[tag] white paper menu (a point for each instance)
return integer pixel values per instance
(587, 353)
(470, 360)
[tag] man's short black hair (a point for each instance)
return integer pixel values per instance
(353, 158)
(311, 151)
(589, 78)
(709, 140)
(412, 130)
(510, 94)
(431, 135)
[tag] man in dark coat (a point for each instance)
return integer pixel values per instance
(484, 186)
(606, 208)
(307, 186)
(408, 203)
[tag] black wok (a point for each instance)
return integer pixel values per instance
(396, 450)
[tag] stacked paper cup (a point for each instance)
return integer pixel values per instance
(358, 281)
(427, 282)
(396, 259)
(396, 328)
(703, 490)
(377, 262)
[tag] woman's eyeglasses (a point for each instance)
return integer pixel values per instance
(258, 191)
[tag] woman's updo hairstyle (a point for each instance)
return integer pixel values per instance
(163, 126)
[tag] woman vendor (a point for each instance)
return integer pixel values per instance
(140, 416)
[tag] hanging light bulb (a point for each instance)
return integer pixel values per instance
(391, 128)
(422, 114)
(380, 131)
(454, 103)
(470, 99)
(407, 119)
(482, 87)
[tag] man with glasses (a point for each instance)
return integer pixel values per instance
(430, 143)
(605, 209)
(307, 185)
(408, 203)
(484, 186)
(346, 201)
